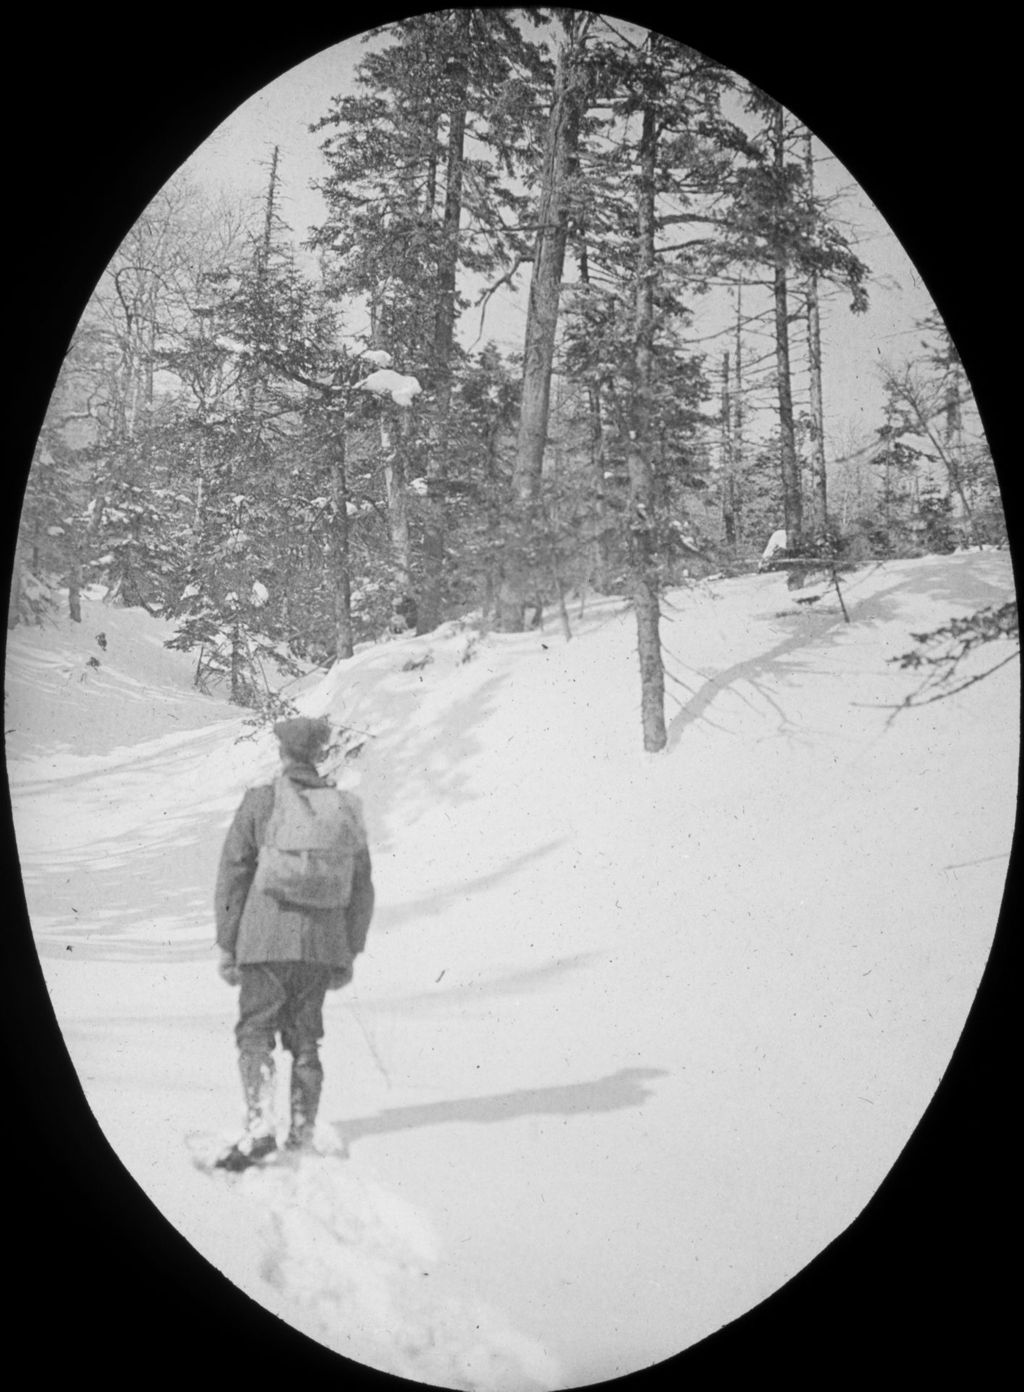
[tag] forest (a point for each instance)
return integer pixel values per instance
(291, 445)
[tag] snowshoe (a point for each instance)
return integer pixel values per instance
(250, 1150)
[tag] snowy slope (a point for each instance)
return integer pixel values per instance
(90, 688)
(650, 1028)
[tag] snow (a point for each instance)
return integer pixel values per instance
(379, 357)
(776, 542)
(385, 382)
(650, 1028)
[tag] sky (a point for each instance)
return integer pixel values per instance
(235, 159)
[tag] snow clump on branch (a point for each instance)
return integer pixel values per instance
(401, 389)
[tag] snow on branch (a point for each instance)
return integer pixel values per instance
(385, 382)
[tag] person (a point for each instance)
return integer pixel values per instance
(284, 957)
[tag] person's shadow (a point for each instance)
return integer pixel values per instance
(626, 1088)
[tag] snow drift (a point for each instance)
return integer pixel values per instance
(652, 1029)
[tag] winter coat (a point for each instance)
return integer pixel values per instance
(255, 928)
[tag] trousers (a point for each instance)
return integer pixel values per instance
(281, 998)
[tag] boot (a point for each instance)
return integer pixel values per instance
(250, 1150)
(258, 1141)
(307, 1077)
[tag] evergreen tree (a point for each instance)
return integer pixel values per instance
(416, 199)
(265, 341)
(931, 408)
(569, 101)
(774, 222)
(651, 167)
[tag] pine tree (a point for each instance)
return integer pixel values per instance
(416, 197)
(651, 167)
(264, 342)
(774, 223)
(569, 98)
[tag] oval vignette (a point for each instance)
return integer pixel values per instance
(218, 1040)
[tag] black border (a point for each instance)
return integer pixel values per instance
(919, 109)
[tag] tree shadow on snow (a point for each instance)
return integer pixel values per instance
(753, 671)
(440, 901)
(626, 1088)
(444, 998)
(424, 761)
(942, 581)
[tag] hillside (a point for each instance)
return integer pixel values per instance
(652, 1028)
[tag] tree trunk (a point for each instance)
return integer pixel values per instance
(817, 412)
(344, 645)
(396, 494)
(792, 492)
(738, 416)
(728, 477)
(429, 607)
(75, 588)
(643, 557)
(599, 547)
(818, 474)
(954, 431)
(542, 313)
(237, 667)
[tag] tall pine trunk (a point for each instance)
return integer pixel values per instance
(792, 492)
(75, 584)
(392, 439)
(817, 412)
(727, 460)
(542, 313)
(429, 607)
(344, 645)
(644, 580)
(738, 416)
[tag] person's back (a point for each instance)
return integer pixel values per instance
(288, 934)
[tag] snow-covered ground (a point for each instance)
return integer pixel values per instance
(649, 1028)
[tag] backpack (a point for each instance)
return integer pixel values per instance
(308, 854)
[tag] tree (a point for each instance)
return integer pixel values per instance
(568, 104)
(931, 411)
(649, 168)
(263, 342)
(774, 221)
(415, 199)
(639, 455)
(111, 471)
(941, 652)
(816, 431)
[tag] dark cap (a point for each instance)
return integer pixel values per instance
(303, 738)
